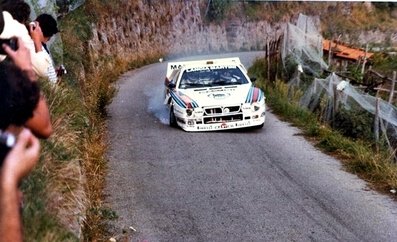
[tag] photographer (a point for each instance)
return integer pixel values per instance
(17, 164)
(48, 26)
(13, 11)
(21, 105)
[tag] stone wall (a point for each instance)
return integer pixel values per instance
(174, 27)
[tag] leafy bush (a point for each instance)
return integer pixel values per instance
(355, 123)
(216, 9)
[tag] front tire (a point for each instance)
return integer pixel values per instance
(173, 122)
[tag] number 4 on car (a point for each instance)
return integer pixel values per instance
(215, 94)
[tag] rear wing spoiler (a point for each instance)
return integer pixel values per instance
(222, 61)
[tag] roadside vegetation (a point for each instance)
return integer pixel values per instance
(68, 183)
(351, 136)
(358, 153)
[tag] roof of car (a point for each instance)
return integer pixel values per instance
(201, 63)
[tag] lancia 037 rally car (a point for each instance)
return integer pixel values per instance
(211, 95)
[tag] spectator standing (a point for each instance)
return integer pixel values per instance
(49, 28)
(15, 14)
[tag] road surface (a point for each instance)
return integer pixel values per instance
(250, 185)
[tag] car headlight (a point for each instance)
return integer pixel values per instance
(189, 112)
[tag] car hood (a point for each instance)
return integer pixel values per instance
(224, 95)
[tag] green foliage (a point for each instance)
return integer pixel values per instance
(385, 5)
(258, 69)
(355, 123)
(290, 65)
(217, 9)
(354, 73)
(384, 63)
(252, 10)
(39, 225)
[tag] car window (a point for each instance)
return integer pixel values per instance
(212, 76)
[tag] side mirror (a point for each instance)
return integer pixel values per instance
(253, 79)
(171, 85)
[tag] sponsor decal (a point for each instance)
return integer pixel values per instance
(176, 67)
(224, 126)
(243, 124)
(204, 127)
(209, 68)
(219, 95)
(254, 95)
(183, 101)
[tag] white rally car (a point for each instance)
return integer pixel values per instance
(211, 95)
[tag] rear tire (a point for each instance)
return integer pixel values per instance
(173, 122)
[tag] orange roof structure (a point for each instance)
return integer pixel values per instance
(345, 52)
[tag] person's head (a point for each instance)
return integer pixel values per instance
(18, 96)
(48, 25)
(18, 9)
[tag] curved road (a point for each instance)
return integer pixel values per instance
(255, 185)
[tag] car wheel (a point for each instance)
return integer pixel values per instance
(173, 122)
(259, 126)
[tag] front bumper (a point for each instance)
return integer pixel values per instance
(215, 122)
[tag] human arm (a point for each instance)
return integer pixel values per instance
(37, 35)
(17, 164)
(41, 60)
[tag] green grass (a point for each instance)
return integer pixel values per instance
(54, 185)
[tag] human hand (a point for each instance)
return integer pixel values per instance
(21, 159)
(35, 32)
(21, 56)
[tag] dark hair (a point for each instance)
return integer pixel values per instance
(47, 24)
(1, 21)
(19, 96)
(19, 10)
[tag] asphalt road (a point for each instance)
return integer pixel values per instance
(248, 185)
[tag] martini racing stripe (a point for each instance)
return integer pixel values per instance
(254, 95)
(183, 100)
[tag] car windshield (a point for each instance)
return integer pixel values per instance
(212, 76)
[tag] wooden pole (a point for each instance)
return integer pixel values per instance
(365, 59)
(329, 54)
(376, 124)
(335, 105)
(268, 58)
(208, 7)
(392, 87)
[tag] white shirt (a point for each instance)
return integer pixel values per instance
(41, 61)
